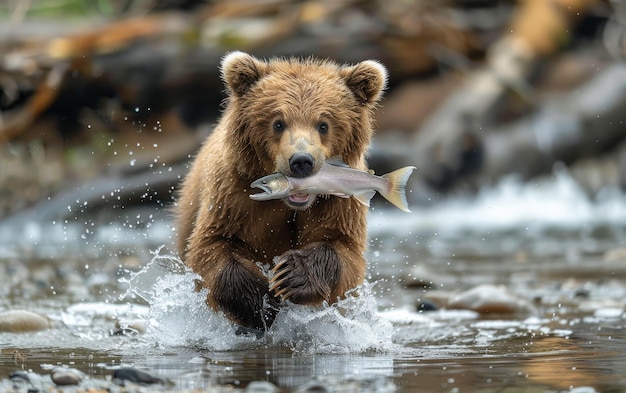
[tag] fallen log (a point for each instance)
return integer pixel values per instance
(569, 128)
(582, 124)
(449, 143)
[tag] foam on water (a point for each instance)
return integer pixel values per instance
(179, 316)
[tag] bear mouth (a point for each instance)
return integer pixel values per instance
(299, 201)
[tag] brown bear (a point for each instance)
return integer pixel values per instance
(288, 116)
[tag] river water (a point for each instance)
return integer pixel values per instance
(117, 296)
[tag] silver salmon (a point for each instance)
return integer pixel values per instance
(335, 177)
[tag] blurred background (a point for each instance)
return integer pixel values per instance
(105, 102)
(512, 111)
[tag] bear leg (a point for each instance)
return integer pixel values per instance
(240, 290)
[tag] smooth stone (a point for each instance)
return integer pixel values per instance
(438, 298)
(261, 387)
(19, 321)
(615, 255)
(490, 299)
(66, 376)
(426, 305)
(313, 387)
(20, 375)
(134, 375)
(26, 381)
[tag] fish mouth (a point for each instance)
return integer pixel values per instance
(300, 201)
(261, 196)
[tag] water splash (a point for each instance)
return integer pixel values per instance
(179, 316)
(348, 326)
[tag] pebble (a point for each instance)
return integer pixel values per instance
(26, 381)
(135, 375)
(66, 376)
(426, 305)
(438, 298)
(489, 299)
(313, 387)
(615, 255)
(20, 321)
(20, 375)
(261, 387)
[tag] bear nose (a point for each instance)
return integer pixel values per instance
(301, 164)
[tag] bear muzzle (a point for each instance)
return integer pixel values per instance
(301, 164)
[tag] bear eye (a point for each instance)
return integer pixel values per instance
(322, 127)
(279, 126)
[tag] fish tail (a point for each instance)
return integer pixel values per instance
(396, 192)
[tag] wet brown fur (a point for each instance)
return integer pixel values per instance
(223, 234)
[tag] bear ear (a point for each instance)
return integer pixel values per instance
(240, 71)
(367, 80)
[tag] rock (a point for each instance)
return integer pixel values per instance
(135, 375)
(19, 321)
(437, 298)
(615, 255)
(426, 305)
(313, 387)
(67, 376)
(20, 375)
(261, 387)
(26, 381)
(489, 299)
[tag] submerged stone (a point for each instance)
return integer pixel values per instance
(19, 321)
(66, 376)
(313, 387)
(426, 305)
(20, 375)
(135, 375)
(26, 381)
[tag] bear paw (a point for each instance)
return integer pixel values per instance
(306, 276)
(241, 293)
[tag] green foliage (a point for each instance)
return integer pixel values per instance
(55, 9)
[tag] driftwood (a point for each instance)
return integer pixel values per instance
(463, 136)
(580, 125)
(116, 193)
(157, 61)
(567, 128)
(143, 66)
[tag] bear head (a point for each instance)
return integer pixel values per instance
(290, 115)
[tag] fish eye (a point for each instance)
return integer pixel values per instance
(279, 126)
(322, 127)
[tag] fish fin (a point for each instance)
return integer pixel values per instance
(365, 197)
(396, 192)
(337, 161)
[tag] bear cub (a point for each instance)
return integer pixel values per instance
(288, 116)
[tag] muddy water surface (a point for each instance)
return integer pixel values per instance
(555, 260)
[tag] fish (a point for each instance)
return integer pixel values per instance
(337, 178)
